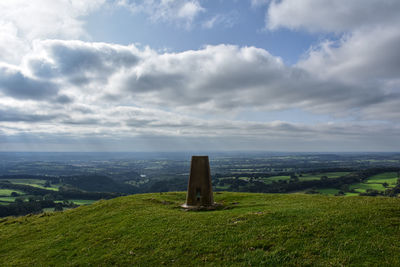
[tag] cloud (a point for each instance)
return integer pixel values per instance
(77, 91)
(212, 80)
(21, 22)
(370, 54)
(181, 12)
(258, 3)
(228, 78)
(15, 115)
(16, 84)
(146, 129)
(226, 20)
(332, 16)
(362, 55)
(79, 62)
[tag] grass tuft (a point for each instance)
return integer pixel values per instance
(257, 229)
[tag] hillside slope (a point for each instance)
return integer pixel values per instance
(254, 229)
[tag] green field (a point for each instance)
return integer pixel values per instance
(276, 178)
(78, 201)
(333, 191)
(6, 200)
(253, 230)
(5, 196)
(363, 187)
(387, 177)
(376, 182)
(7, 192)
(328, 191)
(82, 201)
(306, 176)
(35, 183)
(309, 176)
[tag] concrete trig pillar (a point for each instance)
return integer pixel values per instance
(199, 188)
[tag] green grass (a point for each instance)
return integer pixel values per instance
(222, 187)
(78, 201)
(7, 200)
(374, 182)
(276, 178)
(7, 192)
(35, 183)
(48, 210)
(306, 176)
(328, 191)
(309, 176)
(349, 194)
(82, 201)
(41, 186)
(362, 187)
(387, 177)
(333, 191)
(256, 230)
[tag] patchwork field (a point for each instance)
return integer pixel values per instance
(377, 182)
(5, 196)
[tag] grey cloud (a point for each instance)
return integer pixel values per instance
(64, 142)
(63, 99)
(225, 77)
(19, 116)
(155, 82)
(81, 63)
(87, 121)
(138, 122)
(228, 77)
(15, 84)
(332, 16)
(83, 109)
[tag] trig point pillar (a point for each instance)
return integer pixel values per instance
(199, 188)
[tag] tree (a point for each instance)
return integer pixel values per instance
(19, 200)
(48, 197)
(340, 193)
(58, 207)
(294, 178)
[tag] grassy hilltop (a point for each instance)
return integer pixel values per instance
(253, 229)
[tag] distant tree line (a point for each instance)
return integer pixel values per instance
(64, 192)
(32, 206)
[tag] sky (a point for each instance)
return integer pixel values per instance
(200, 75)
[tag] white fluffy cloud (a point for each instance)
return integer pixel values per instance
(362, 55)
(365, 55)
(21, 22)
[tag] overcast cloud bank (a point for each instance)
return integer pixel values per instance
(51, 86)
